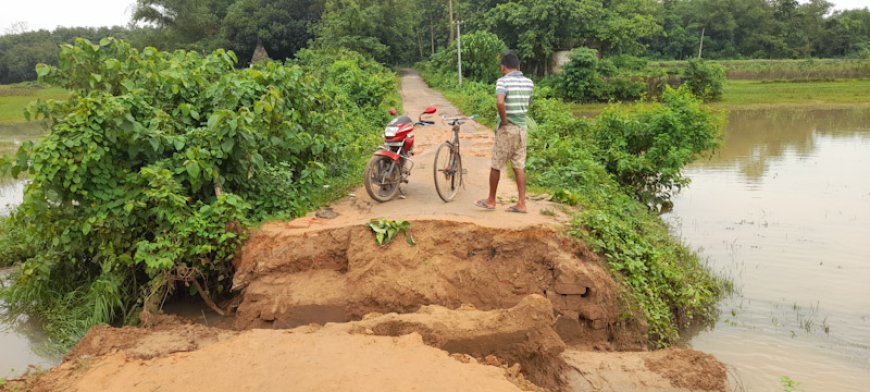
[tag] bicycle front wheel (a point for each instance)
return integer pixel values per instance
(447, 171)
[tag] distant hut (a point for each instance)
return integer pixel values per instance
(260, 54)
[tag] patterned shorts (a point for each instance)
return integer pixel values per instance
(510, 145)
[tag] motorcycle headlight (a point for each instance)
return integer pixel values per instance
(391, 131)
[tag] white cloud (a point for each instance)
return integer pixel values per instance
(48, 14)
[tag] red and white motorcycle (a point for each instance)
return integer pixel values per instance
(390, 166)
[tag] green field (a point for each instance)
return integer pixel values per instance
(14, 99)
(746, 93)
(752, 94)
(804, 70)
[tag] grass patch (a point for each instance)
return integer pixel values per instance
(742, 93)
(14, 98)
(804, 69)
(755, 94)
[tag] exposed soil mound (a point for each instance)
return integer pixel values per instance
(522, 335)
(336, 275)
(670, 370)
(165, 335)
(688, 369)
(270, 360)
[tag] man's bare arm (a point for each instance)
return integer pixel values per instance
(502, 112)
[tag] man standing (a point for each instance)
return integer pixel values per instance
(513, 92)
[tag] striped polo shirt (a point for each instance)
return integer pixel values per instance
(517, 90)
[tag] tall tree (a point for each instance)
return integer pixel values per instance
(282, 26)
(383, 29)
(536, 29)
(193, 24)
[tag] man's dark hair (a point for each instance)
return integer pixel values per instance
(510, 60)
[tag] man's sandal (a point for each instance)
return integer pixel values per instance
(482, 204)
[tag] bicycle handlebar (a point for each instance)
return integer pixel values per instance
(458, 120)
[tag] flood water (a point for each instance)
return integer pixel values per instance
(22, 342)
(784, 210)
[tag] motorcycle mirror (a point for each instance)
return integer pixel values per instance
(393, 111)
(430, 110)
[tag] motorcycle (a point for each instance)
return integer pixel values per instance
(390, 166)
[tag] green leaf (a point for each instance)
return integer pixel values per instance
(227, 144)
(42, 70)
(192, 169)
(410, 239)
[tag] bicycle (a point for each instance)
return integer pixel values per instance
(448, 162)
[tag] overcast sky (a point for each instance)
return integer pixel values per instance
(48, 14)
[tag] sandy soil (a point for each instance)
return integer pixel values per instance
(487, 300)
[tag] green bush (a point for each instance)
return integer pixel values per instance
(645, 147)
(586, 78)
(580, 80)
(705, 79)
(481, 55)
(157, 161)
(363, 79)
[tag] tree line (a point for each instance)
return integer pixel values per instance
(404, 31)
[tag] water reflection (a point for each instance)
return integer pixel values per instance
(13, 134)
(756, 138)
(11, 193)
(23, 342)
(784, 210)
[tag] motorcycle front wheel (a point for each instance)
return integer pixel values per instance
(382, 178)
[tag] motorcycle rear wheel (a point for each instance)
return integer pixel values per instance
(382, 178)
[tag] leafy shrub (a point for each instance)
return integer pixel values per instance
(157, 161)
(705, 79)
(580, 79)
(481, 55)
(362, 78)
(586, 78)
(647, 146)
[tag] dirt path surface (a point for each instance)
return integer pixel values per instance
(421, 200)
(486, 300)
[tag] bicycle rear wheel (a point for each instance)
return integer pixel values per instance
(447, 171)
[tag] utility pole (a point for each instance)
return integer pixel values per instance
(450, 13)
(459, 49)
(420, 43)
(701, 45)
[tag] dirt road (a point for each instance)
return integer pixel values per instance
(486, 300)
(421, 200)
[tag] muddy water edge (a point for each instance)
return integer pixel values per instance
(22, 340)
(784, 210)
